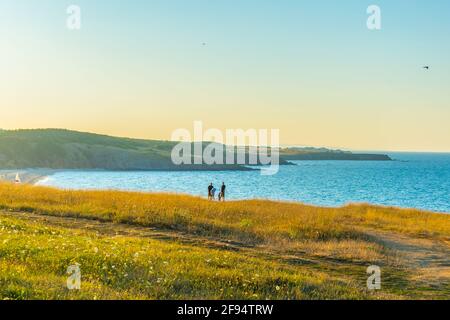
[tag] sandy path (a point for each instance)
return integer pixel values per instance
(428, 259)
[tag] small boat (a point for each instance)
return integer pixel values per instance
(17, 180)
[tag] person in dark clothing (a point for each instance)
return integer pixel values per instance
(222, 191)
(210, 187)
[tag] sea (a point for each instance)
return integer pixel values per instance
(411, 180)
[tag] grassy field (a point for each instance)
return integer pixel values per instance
(161, 246)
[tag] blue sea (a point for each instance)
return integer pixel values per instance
(413, 180)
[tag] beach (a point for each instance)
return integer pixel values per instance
(29, 176)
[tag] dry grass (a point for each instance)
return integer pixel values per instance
(337, 243)
(351, 250)
(254, 221)
(35, 257)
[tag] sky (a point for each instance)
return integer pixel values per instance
(311, 69)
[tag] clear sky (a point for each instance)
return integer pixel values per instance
(309, 68)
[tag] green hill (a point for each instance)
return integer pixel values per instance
(65, 149)
(295, 153)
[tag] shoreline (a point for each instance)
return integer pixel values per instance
(35, 175)
(27, 176)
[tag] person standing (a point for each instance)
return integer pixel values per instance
(210, 187)
(213, 193)
(222, 191)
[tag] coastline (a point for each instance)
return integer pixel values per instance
(309, 180)
(34, 175)
(27, 176)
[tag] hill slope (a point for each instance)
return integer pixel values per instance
(65, 149)
(328, 154)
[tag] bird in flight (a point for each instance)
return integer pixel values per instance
(427, 67)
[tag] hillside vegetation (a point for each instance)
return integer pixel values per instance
(328, 154)
(64, 149)
(137, 245)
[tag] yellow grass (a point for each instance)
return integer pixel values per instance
(253, 221)
(35, 257)
(297, 251)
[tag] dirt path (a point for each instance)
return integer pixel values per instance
(119, 229)
(415, 252)
(122, 229)
(428, 261)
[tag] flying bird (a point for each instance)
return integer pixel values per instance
(427, 67)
